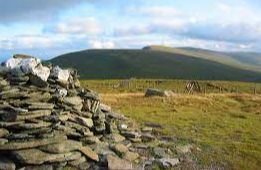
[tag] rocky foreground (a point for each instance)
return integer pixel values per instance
(48, 121)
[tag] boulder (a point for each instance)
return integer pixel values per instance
(157, 92)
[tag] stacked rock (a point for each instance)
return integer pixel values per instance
(48, 121)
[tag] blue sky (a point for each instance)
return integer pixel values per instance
(47, 28)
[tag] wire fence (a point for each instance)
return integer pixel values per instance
(177, 86)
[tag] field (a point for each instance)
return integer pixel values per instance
(223, 122)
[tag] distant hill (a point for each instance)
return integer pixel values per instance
(162, 62)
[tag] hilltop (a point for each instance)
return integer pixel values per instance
(163, 62)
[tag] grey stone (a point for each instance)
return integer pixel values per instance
(115, 137)
(33, 115)
(37, 157)
(62, 147)
(77, 162)
(90, 140)
(37, 81)
(105, 108)
(120, 149)
(39, 167)
(31, 143)
(167, 162)
(87, 151)
(41, 106)
(147, 137)
(159, 152)
(115, 163)
(3, 141)
(156, 92)
(131, 156)
(28, 126)
(6, 164)
(3, 132)
(131, 134)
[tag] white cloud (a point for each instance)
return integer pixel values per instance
(76, 26)
(31, 42)
(158, 11)
(101, 44)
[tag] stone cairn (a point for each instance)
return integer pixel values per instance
(48, 121)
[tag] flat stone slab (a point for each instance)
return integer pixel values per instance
(37, 157)
(63, 147)
(41, 106)
(88, 152)
(32, 143)
(10, 124)
(72, 101)
(33, 115)
(37, 125)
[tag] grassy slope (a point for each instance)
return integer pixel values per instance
(243, 60)
(100, 64)
(226, 127)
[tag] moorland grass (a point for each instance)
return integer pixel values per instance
(226, 127)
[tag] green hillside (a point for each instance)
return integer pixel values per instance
(153, 63)
(243, 60)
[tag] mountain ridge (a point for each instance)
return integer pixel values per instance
(169, 63)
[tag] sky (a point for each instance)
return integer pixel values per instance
(47, 28)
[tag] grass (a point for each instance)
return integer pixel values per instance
(226, 127)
